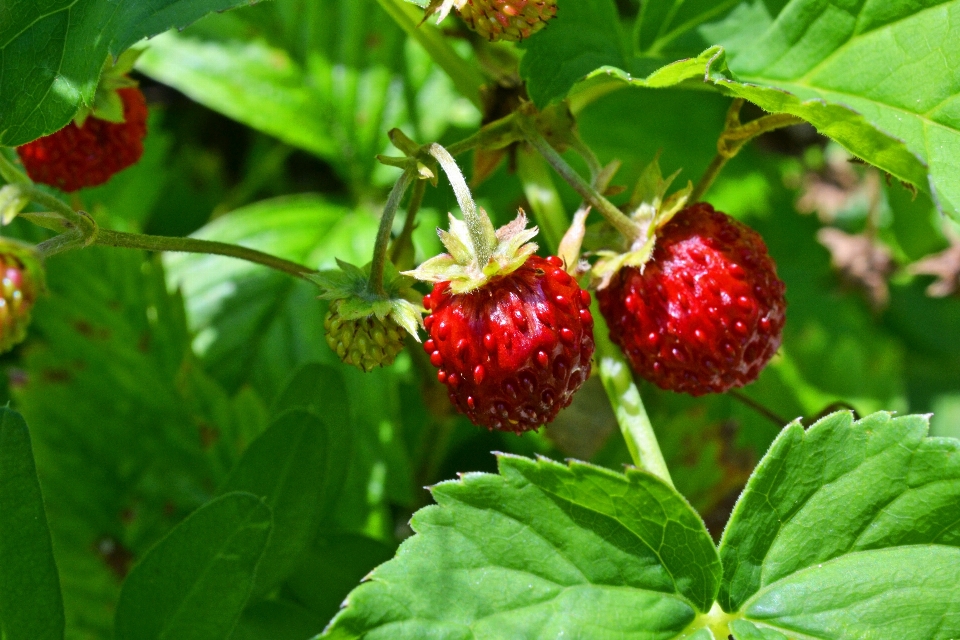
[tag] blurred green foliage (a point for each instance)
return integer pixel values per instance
(147, 380)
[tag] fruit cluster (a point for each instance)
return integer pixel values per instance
(511, 20)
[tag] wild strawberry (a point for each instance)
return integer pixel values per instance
(500, 19)
(365, 328)
(87, 155)
(705, 314)
(21, 281)
(365, 343)
(510, 332)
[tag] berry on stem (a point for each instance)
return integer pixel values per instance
(511, 20)
(21, 281)
(512, 338)
(365, 328)
(87, 155)
(103, 139)
(365, 343)
(513, 352)
(705, 313)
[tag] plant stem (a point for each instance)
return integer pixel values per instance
(405, 239)
(541, 192)
(386, 226)
(471, 215)
(628, 405)
(734, 136)
(108, 238)
(759, 408)
(607, 209)
(10, 172)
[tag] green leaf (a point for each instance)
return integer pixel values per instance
(251, 82)
(332, 568)
(878, 80)
(52, 52)
(892, 62)
(244, 314)
(194, 584)
(662, 23)
(842, 518)
(321, 390)
(905, 592)
(269, 620)
(286, 467)
(538, 550)
(31, 607)
(743, 630)
(584, 36)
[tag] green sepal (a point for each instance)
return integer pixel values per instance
(508, 248)
(107, 104)
(12, 202)
(651, 209)
(351, 285)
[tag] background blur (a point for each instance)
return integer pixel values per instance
(144, 377)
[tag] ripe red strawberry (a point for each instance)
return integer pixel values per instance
(705, 314)
(513, 351)
(87, 155)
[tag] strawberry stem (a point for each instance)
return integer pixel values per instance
(734, 136)
(405, 240)
(628, 405)
(469, 208)
(607, 209)
(108, 238)
(386, 226)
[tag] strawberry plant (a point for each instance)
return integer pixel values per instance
(657, 300)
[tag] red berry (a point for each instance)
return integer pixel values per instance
(77, 157)
(514, 351)
(707, 313)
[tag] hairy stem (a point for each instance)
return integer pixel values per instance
(108, 238)
(465, 199)
(405, 239)
(607, 209)
(734, 136)
(628, 405)
(386, 226)
(11, 173)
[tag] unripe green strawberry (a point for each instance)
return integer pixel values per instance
(499, 19)
(366, 342)
(21, 281)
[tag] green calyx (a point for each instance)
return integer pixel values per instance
(467, 267)
(651, 209)
(107, 103)
(364, 328)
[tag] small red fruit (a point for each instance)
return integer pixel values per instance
(513, 351)
(88, 155)
(707, 311)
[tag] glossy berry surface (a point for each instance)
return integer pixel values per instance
(365, 343)
(511, 20)
(77, 157)
(513, 352)
(707, 313)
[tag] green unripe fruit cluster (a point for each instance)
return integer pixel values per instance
(365, 343)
